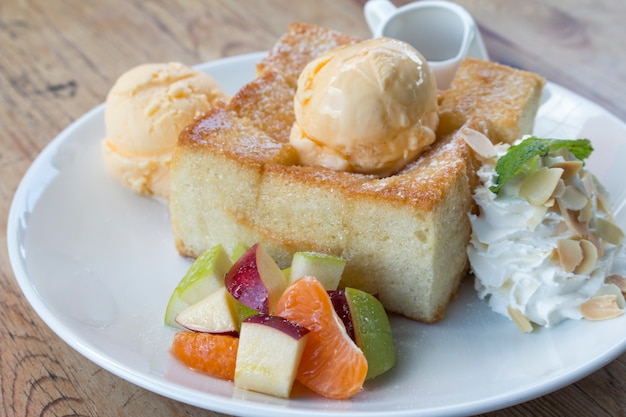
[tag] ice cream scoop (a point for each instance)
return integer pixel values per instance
(144, 113)
(369, 108)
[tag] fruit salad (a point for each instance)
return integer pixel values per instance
(243, 318)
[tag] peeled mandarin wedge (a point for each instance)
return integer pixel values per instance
(332, 365)
(212, 354)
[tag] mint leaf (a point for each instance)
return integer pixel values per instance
(518, 157)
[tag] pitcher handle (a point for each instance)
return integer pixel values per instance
(376, 12)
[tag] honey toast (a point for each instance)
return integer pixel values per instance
(235, 179)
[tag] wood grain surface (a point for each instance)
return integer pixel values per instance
(59, 58)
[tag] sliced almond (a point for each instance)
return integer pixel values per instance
(573, 199)
(558, 192)
(570, 168)
(593, 188)
(590, 257)
(560, 189)
(617, 280)
(570, 254)
(479, 143)
(560, 228)
(586, 213)
(596, 242)
(604, 204)
(588, 183)
(609, 231)
(520, 319)
(612, 289)
(601, 307)
(579, 229)
(539, 186)
(554, 255)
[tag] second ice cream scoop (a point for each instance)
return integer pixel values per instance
(145, 111)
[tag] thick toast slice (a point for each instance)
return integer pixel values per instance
(235, 180)
(510, 97)
(404, 236)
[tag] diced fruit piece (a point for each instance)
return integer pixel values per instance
(367, 323)
(212, 354)
(287, 273)
(372, 331)
(239, 250)
(340, 304)
(326, 268)
(255, 280)
(174, 306)
(205, 275)
(270, 349)
(332, 364)
(213, 314)
(242, 311)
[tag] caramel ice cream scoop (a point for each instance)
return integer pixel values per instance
(369, 108)
(144, 113)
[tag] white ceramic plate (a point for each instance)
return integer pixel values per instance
(98, 264)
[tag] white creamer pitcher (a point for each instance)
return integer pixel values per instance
(443, 32)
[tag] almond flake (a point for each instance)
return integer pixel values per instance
(618, 280)
(570, 168)
(604, 204)
(587, 180)
(579, 229)
(539, 186)
(573, 199)
(596, 242)
(590, 257)
(520, 319)
(612, 289)
(586, 213)
(480, 144)
(559, 190)
(601, 307)
(570, 254)
(609, 231)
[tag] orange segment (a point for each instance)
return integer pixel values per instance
(212, 354)
(332, 364)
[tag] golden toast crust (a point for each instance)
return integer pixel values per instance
(509, 97)
(300, 44)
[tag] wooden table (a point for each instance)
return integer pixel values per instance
(58, 59)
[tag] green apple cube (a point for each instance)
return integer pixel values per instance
(242, 311)
(239, 250)
(287, 273)
(326, 268)
(174, 306)
(213, 314)
(205, 276)
(372, 331)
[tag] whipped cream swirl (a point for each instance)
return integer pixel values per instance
(514, 248)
